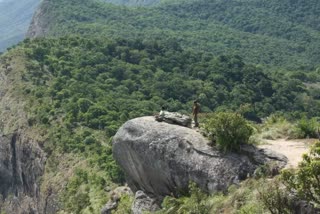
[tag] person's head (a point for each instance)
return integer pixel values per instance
(195, 102)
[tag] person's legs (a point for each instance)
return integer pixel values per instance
(195, 118)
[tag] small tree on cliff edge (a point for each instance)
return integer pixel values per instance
(229, 130)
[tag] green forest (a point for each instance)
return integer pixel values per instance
(83, 89)
(279, 34)
(101, 65)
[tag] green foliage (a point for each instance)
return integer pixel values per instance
(305, 181)
(105, 88)
(193, 204)
(82, 87)
(277, 126)
(269, 169)
(239, 199)
(124, 205)
(307, 128)
(275, 33)
(275, 197)
(229, 130)
(84, 191)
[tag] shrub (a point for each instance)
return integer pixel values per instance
(275, 127)
(307, 128)
(306, 180)
(229, 130)
(89, 140)
(269, 169)
(124, 205)
(238, 199)
(194, 204)
(275, 197)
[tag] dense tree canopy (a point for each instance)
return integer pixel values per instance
(281, 34)
(82, 89)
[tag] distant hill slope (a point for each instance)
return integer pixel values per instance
(282, 34)
(134, 2)
(15, 17)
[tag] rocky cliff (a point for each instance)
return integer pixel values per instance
(162, 159)
(22, 161)
(40, 21)
(42, 18)
(21, 167)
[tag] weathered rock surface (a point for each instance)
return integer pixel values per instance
(161, 159)
(21, 166)
(115, 197)
(303, 207)
(176, 118)
(40, 21)
(143, 202)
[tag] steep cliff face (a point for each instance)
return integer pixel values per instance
(21, 167)
(22, 160)
(40, 21)
(43, 17)
(162, 159)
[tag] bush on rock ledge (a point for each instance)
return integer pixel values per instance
(228, 130)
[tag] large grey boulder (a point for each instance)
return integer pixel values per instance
(161, 159)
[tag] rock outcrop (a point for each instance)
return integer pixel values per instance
(175, 118)
(142, 202)
(115, 197)
(21, 166)
(40, 21)
(161, 159)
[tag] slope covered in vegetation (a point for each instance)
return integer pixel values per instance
(80, 90)
(283, 34)
(103, 64)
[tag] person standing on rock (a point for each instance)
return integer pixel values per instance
(195, 112)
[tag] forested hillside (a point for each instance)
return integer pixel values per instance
(15, 18)
(80, 90)
(283, 34)
(98, 65)
(134, 2)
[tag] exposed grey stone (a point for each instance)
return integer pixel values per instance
(176, 118)
(143, 202)
(107, 209)
(303, 207)
(21, 166)
(161, 159)
(115, 197)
